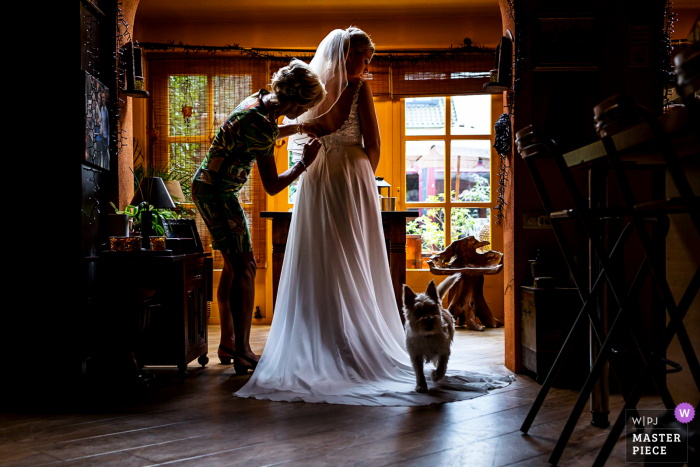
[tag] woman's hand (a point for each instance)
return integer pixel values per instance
(311, 149)
(312, 129)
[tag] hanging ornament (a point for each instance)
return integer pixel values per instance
(187, 107)
(187, 113)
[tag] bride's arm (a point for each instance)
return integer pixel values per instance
(311, 129)
(369, 125)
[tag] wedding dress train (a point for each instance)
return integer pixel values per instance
(336, 335)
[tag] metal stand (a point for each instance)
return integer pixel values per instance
(532, 145)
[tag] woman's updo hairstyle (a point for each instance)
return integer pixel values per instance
(298, 83)
(359, 40)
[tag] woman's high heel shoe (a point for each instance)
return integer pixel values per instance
(225, 359)
(243, 370)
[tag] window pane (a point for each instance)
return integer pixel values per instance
(295, 184)
(470, 170)
(229, 91)
(471, 115)
(187, 105)
(425, 115)
(425, 171)
(430, 226)
(471, 222)
(185, 159)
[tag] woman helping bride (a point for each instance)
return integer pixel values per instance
(336, 336)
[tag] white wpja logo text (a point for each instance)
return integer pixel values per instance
(645, 421)
(653, 438)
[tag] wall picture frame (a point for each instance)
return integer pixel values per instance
(97, 132)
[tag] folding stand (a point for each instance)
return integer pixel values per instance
(608, 116)
(532, 146)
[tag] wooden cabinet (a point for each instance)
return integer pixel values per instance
(176, 333)
(547, 316)
(197, 283)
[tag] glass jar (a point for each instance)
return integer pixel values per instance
(117, 243)
(133, 244)
(157, 243)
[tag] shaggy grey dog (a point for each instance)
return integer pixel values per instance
(430, 329)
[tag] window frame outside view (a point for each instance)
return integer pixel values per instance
(421, 125)
(191, 137)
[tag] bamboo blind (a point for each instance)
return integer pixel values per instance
(212, 87)
(459, 75)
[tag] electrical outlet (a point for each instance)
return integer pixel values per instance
(536, 220)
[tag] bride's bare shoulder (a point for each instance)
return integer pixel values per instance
(366, 88)
(365, 94)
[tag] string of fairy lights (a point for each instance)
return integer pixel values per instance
(667, 73)
(118, 104)
(503, 125)
(92, 50)
(123, 37)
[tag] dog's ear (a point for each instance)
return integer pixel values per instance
(432, 292)
(409, 297)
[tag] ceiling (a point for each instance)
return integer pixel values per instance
(227, 10)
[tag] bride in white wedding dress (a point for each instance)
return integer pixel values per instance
(336, 336)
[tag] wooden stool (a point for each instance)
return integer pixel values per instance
(467, 302)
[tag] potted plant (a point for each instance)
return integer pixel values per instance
(159, 217)
(118, 222)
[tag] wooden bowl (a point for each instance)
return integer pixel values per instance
(487, 263)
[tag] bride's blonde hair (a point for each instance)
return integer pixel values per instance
(359, 40)
(298, 83)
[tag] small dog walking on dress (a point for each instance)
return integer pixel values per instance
(430, 329)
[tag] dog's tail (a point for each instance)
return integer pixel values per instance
(446, 285)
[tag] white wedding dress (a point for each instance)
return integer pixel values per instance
(336, 335)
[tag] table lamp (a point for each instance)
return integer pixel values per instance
(175, 190)
(151, 190)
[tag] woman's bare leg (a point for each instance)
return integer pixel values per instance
(223, 295)
(242, 301)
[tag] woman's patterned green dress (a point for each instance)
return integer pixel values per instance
(247, 134)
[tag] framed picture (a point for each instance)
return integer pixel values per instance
(565, 43)
(97, 132)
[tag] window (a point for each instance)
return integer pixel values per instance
(446, 151)
(192, 98)
(194, 116)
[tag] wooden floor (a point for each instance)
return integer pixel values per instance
(200, 423)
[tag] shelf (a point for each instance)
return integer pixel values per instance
(136, 94)
(92, 8)
(495, 88)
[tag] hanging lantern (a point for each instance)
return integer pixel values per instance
(187, 108)
(187, 113)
